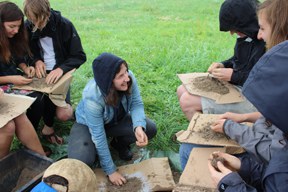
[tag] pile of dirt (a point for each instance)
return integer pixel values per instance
(210, 84)
(133, 184)
(7, 109)
(40, 84)
(208, 134)
(215, 159)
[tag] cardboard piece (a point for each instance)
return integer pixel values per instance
(155, 174)
(234, 96)
(196, 172)
(57, 92)
(12, 106)
(193, 133)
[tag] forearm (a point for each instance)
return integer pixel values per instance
(7, 79)
(251, 117)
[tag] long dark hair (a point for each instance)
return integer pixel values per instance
(114, 95)
(17, 45)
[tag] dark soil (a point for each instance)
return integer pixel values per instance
(40, 84)
(188, 188)
(6, 109)
(133, 184)
(210, 84)
(208, 134)
(215, 159)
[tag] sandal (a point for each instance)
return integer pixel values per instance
(47, 151)
(53, 138)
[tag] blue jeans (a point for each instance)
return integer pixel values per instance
(185, 150)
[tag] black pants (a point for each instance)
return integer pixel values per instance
(81, 146)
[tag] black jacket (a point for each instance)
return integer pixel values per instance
(240, 15)
(68, 49)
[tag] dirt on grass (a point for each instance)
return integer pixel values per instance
(210, 84)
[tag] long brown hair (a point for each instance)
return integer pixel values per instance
(276, 14)
(17, 45)
(113, 96)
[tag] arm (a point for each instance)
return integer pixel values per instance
(138, 114)
(94, 119)
(241, 118)
(229, 181)
(75, 55)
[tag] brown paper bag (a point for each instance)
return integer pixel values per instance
(57, 92)
(12, 106)
(234, 96)
(152, 175)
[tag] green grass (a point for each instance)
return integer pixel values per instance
(158, 38)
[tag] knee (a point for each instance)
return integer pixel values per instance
(64, 114)
(184, 101)
(9, 128)
(180, 90)
(151, 131)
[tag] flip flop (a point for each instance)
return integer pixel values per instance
(53, 138)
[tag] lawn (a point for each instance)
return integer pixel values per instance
(158, 39)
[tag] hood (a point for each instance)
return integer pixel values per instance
(266, 86)
(239, 15)
(105, 67)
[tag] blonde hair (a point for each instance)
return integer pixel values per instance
(37, 11)
(276, 14)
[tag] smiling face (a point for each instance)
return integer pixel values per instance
(265, 28)
(121, 79)
(12, 27)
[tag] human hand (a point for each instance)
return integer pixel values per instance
(236, 117)
(231, 162)
(19, 80)
(142, 139)
(117, 179)
(40, 69)
(29, 71)
(54, 76)
(224, 74)
(218, 125)
(213, 66)
(217, 176)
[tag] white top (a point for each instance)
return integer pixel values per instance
(48, 52)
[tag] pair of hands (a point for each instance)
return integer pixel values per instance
(52, 77)
(231, 164)
(218, 125)
(142, 140)
(40, 72)
(219, 72)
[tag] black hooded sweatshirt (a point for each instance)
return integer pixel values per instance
(241, 16)
(69, 53)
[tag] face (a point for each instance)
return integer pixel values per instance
(121, 79)
(265, 29)
(12, 27)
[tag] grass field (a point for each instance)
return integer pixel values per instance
(158, 38)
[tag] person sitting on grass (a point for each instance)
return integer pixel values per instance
(111, 106)
(57, 49)
(236, 16)
(24, 131)
(266, 90)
